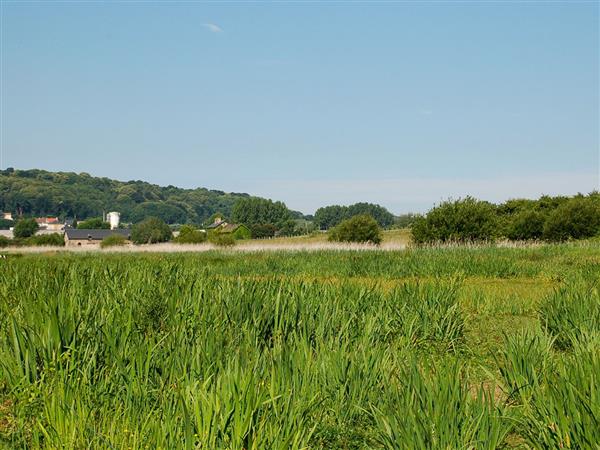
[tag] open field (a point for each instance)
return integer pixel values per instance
(454, 348)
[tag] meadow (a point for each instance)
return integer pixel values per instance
(431, 348)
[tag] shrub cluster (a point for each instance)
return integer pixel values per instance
(25, 228)
(221, 239)
(114, 240)
(363, 228)
(553, 219)
(189, 235)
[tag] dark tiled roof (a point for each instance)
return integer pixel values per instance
(216, 224)
(94, 235)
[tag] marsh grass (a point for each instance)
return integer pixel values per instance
(329, 350)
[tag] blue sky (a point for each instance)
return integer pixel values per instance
(402, 104)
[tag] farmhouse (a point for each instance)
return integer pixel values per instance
(238, 231)
(82, 237)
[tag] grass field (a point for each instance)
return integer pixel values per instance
(456, 348)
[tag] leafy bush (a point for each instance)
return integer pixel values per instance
(113, 240)
(526, 225)
(189, 235)
(151, 231)
(260, 231)
(222, 239)
(577, 218)
(361, 228)
(95, 223)
(54, 239)
(4, 241)
(25, 228)
(464, 220)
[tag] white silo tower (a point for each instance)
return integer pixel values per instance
(113, 218)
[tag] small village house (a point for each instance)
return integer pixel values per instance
(49, 223)
(238, 231)
(85, 238)
(7, 216)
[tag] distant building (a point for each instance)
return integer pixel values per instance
(49, 223)
(216, 224)
(83, 237)
(113, 218)
(238, 231)
(7, 216)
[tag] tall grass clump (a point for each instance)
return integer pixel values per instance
(571, 313)
(523, 362)
(426, 313)
(564, 412)
(436, 408)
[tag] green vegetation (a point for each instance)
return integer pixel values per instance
(221, 239)
(478, 348)
(330, 216)
(25, 228)
(95, 223)
(577, 218)
(465, 220)
(114, 240)
(552, 219)
(66, 194)
(151, 231)
(263, 217)
(189, 235)
(53, 239)
(362, 228)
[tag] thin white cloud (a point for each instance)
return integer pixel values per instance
(212, 27)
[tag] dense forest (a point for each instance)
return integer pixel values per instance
(67, 194)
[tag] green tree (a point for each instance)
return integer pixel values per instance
(577, 218)
(150, 231)
(329, 216)
(25, 228)
(384, 218)
(464, 220)
(259, 211)
(95, 223)
(362, 228)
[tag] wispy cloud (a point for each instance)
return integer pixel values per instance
(212, 27)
